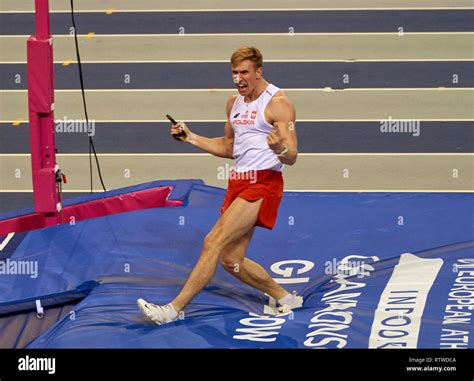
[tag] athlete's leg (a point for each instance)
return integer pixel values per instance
(233, 260)
(236, 221)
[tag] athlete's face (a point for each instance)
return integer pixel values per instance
(246, 77)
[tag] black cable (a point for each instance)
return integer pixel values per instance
(91, 143)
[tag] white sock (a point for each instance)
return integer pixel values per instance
(174, 314)
(287, 299)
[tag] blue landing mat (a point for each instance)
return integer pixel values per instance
(376, 270)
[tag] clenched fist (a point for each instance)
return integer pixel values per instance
(274, 141)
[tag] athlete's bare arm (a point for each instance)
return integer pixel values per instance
(222, 146)
(280, 112)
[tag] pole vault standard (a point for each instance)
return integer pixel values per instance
(41, 117)
(47, 176)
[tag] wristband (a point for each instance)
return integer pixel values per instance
(283, 153)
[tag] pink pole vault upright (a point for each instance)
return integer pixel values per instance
(41, 117)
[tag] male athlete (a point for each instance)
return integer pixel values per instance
(260, 135)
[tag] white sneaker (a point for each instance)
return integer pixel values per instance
(296, 302)
(157, 314)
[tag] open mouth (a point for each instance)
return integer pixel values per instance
(242, 86)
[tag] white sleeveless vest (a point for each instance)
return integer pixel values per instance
(251, 150)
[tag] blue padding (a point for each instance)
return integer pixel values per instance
(412, 248)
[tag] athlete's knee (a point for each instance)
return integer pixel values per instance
(217, 238)
(231, 263)
(213, 242)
